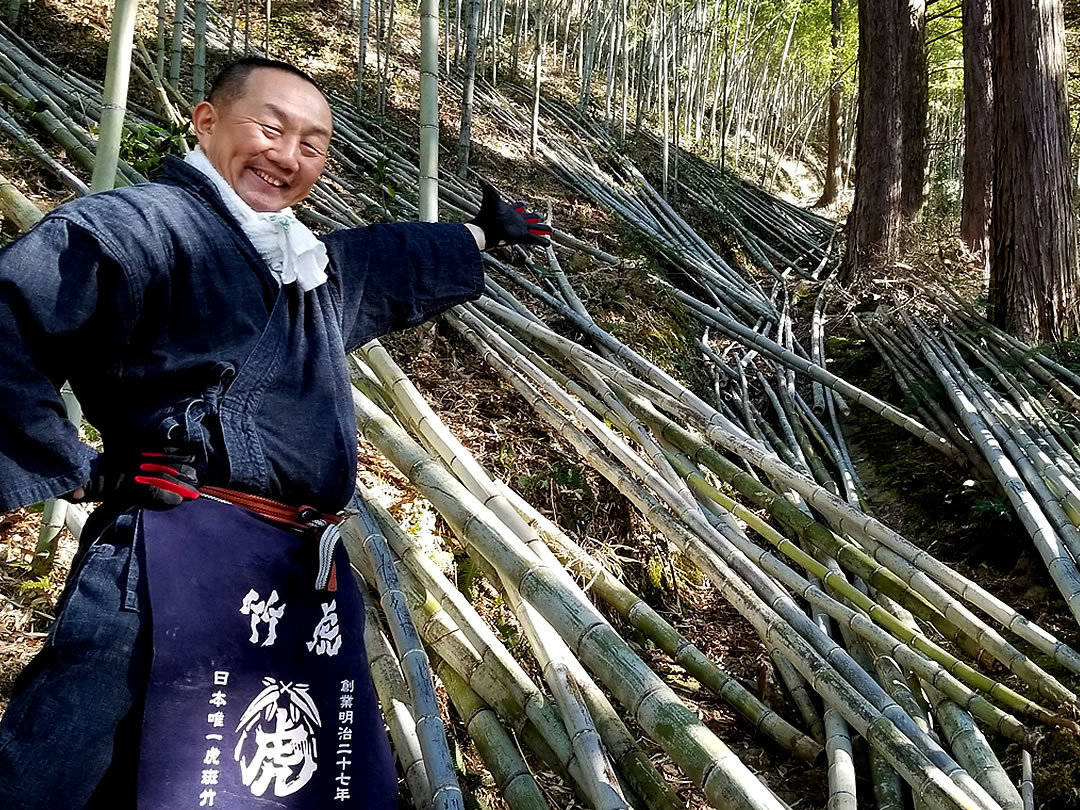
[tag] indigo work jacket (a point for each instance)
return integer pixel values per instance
(173, 332)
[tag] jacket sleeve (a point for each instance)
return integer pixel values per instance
(397, 275)
(63, 293)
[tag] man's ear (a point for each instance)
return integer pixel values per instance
(203, 117)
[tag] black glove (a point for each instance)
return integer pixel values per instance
(504, 224)
(153, 480)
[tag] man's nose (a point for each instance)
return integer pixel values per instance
(286, 153)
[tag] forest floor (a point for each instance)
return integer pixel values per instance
(911, 489)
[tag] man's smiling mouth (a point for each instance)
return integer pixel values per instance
(268, 179)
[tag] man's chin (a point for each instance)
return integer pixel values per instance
(265, 203)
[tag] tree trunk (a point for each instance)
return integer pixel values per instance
(232, 25)
(914, 100)
(384, 80)
(448, 37)
(615, 35)
(978, 129)
(664, 108)
(624, 51)
(874, 223)
(467, 88)
(832, 159)
(457, 34)
(1033, 273)
(520, 20)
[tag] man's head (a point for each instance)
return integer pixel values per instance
(266, 128)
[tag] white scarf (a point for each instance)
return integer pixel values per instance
(287, 245)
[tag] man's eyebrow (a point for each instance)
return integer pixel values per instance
(314, 129)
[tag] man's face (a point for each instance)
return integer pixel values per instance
(270, 142)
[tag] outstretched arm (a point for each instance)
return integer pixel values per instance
(397, 275)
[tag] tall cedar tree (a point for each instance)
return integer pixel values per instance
(832, 160)
(1034, 281)
(978, 128)
(915, 96)
(874, 223)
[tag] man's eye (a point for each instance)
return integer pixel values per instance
(311, 150)
(269, 131)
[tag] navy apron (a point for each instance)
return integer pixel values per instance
(259, 692)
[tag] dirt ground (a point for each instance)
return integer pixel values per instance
(911, 488)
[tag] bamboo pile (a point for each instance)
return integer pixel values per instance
(1010, 407)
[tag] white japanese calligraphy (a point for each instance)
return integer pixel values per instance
(263, 611)
(326, 640)
(280, 725)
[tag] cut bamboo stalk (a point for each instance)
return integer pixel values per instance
(453, 628)
(971, 750)
(799, 693)
(14, 204)
(632, 763)
(601, 783)
(512, 776)
(1027, 784)
(393, 694)
(445, 791)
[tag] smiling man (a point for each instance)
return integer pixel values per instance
(266, 134)
(208, 649)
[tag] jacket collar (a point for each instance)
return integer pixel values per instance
(175, 172)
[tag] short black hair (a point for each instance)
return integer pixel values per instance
(230, 81)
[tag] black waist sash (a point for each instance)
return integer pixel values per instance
(259, 692)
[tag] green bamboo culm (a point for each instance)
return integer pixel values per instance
(445, 791)
(496, 746)
(15, 205)
(198, 61)
(117, 72)
(393, 694)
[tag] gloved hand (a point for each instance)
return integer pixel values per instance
(154, 481)
(504, 224)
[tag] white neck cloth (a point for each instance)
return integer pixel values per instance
(287, 245)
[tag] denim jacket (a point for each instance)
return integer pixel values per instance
(173, 331)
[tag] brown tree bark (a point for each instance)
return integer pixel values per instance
(874, 222)
(1034, 282)
(832, 155)
(914, 101)
(978, 129)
